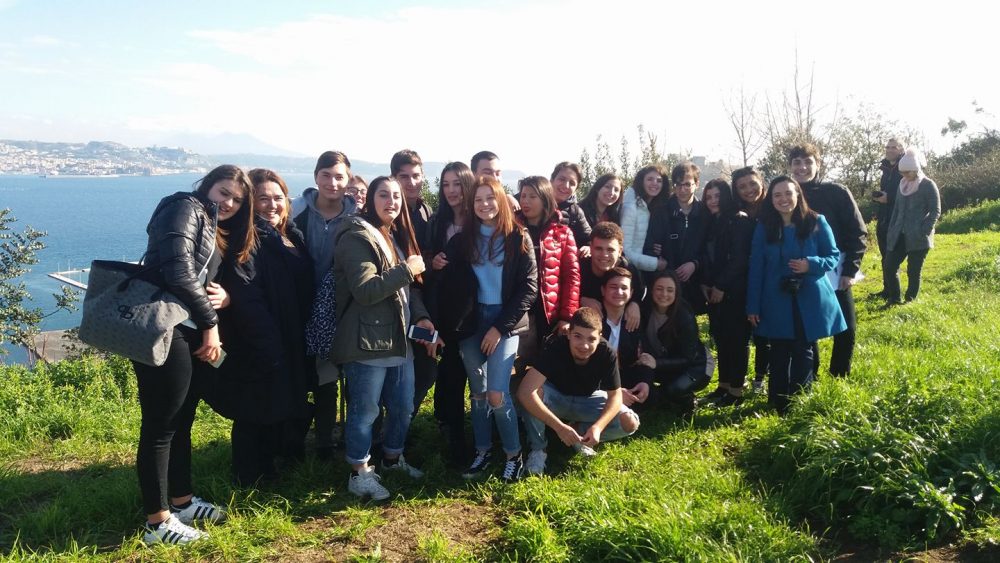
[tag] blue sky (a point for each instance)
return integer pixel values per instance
(533, 81)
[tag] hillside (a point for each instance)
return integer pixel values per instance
(899, 459)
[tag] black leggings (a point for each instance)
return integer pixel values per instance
(168, 398)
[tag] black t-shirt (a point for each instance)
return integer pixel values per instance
(600, 372)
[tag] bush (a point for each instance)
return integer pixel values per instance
(982, 217)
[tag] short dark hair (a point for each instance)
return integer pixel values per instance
(616, 272)
(481, 155)
(585, 317)
(564, 165)
(677, 174)
(330, 159)
(403, 158)
(804, 150)
(608, 231)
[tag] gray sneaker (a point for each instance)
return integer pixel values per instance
(535, 464)
(401, 465)
(366, 484)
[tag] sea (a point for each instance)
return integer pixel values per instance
(88, 218)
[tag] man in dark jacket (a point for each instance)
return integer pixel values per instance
(407, 168)
(836, 203)
(318, 214)
(886, 197)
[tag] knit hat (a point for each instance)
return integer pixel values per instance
(912, 161)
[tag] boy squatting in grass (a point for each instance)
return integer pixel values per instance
(575, 380)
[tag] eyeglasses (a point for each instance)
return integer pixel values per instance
(685, 185)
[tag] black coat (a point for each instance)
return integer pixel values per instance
(725, 258)
(889, 183)
(455, 305)
(577, 221)
(682, 239)
(837, 205)
(181, 240)
(678, 352)
(266, 374)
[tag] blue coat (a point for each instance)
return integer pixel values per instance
(821, 315)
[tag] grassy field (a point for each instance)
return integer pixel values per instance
(900, 459)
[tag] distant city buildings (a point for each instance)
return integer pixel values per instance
(95, 158)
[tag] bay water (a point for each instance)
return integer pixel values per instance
(88, 218)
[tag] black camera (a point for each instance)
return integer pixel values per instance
(877, 194)
(791, 284)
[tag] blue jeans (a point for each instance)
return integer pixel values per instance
(365, 386)
(491, 373)
(579, 411)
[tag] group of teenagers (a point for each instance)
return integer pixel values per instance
(559, 314)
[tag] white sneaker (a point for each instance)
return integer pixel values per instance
(584, 450)
(758, 385)
(535, 465)
(199, 510)
(366, 483)
(401, 465)
(172, 532)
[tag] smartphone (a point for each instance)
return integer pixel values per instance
(222, 358)
(421, 333)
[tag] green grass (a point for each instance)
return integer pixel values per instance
(904, 455)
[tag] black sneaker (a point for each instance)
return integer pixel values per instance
(479, 465)
(712, 397)
(728, 400)
(512, 469)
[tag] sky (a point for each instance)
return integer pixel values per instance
(534, 81)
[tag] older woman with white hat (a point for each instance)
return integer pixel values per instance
(911, 229)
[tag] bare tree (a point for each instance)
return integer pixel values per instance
(741, 111)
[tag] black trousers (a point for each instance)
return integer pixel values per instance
(425, 373)
(843, 343)
(255, 447)
(791, 365)
(882, 235)
(168, 397)
(762, 356)
(890, 271)
(449, 392)
(730, 330)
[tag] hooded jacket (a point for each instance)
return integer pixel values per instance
(317, 231)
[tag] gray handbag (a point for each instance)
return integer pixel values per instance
(127, 315)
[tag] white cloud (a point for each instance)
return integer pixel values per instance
(537, 83)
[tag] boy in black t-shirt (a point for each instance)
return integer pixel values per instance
(574, 380)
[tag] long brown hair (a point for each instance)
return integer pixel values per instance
(260, 176)
(400, 231)
(543, 188)
(803, 218)
(244, 234)
(505, 225)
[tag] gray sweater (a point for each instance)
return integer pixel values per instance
(915, 215)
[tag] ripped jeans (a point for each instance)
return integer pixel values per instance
(491, 374)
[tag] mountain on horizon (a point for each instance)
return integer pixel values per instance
(224, 143)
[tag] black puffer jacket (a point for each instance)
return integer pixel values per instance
(181, 239)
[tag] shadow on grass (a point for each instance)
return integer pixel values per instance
(96, 506)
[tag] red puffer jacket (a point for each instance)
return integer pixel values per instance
(558, 273)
